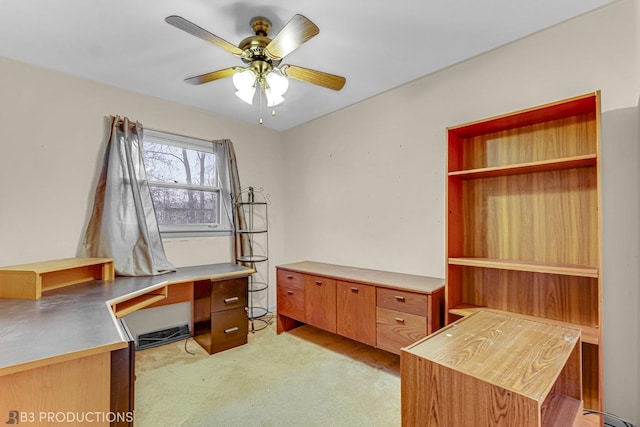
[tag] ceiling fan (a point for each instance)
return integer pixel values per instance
(262, 56)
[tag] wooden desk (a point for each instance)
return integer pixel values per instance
(491, 369)
(57, 350)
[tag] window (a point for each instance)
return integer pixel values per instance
(184, 176)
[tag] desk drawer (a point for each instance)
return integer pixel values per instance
(291, 302)
(290, 278)
(229, 294)
(396, 329)
(229, 329)
(407, 302)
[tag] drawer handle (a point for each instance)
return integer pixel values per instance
(354, 289)
(399, 319)
(289, 277)
(230, 330)
(232, 299)
(290, 292)
(318, 282)
(399, 298)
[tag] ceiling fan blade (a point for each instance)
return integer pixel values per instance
(319, 78)
(297, 31)
(214, 75)
(193, 29)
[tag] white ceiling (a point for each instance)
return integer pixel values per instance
(376, 45)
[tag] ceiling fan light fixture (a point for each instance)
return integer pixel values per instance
(273, 98)
(277, 83)
(245, 83)
(275, 86)
(246, 95)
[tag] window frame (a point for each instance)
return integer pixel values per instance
(225, 223)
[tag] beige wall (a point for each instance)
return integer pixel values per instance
(387, 158)
(363, 186)
(52, 134)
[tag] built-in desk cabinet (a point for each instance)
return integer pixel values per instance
(378, 308)
(220, 313)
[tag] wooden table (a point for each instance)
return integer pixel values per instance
(491, 369)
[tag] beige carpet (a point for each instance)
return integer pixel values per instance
(305, 377)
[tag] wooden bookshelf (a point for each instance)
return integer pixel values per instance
(524, 222)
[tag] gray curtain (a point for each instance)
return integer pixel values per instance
(123, 224)
(232, 178)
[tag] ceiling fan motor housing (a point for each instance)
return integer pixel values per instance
(253, 46)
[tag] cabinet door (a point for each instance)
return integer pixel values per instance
(320, 302)
(356, 312)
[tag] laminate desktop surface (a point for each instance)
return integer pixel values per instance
(78, 320)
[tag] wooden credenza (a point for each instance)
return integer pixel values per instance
(382, 309)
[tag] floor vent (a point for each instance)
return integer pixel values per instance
(165, 336)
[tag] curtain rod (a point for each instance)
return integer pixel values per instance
(121, 120)
(133, 123)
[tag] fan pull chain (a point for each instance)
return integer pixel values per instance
(261, 100)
